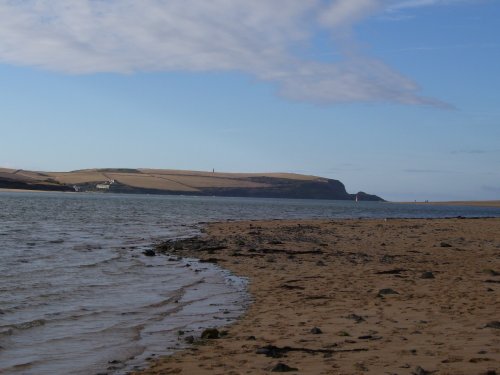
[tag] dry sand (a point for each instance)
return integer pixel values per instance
(338, 276)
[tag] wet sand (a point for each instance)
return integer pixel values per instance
(354, 297)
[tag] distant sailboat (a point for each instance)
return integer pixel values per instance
(356, 197)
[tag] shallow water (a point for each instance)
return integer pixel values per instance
(78, 296)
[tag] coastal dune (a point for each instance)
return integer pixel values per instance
(398, 296)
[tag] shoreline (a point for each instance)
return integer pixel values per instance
(183, 295)
(218, 297)
(493, 204)
(489, 203)
(7, 190)
(352, 296)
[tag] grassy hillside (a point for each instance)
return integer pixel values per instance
(165, 181)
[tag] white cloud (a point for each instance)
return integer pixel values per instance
(422, 3)
(346, 12)
(252, 36)
(414, 3)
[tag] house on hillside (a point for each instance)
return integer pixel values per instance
(102, 186)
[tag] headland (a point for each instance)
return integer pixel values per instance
(178, 182)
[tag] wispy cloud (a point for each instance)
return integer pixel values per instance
(405, 4)
(439, 171)
(401, 10)
(469, 152)
(475, 151)
(256, 37)
(451, 47)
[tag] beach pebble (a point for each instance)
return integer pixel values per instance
(210, 333)
(386, 291)
(316, 331)
(275, 242)
(281, 367)
(445, 244)
(356, 318)
(495, 324)
(370, 337)
(492, 272)
(420, 371)
(270, 351)
(479, 360)
(427, 275)
(360, 366)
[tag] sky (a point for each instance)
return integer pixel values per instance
(399, 98)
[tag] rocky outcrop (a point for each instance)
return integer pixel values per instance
(276, 188)
(298, 189)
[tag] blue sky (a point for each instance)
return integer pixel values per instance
(398, 98)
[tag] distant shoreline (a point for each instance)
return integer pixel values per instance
(458, 203)
(494, 203)
(6, 190)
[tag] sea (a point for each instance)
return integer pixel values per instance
(79, 296)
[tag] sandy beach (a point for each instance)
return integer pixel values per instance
(353, 297)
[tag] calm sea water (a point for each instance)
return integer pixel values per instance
(78, 296)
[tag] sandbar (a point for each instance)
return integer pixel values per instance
(396, 296)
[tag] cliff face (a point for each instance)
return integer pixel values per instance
(299, 189)
(146, 181)
(271, 187)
